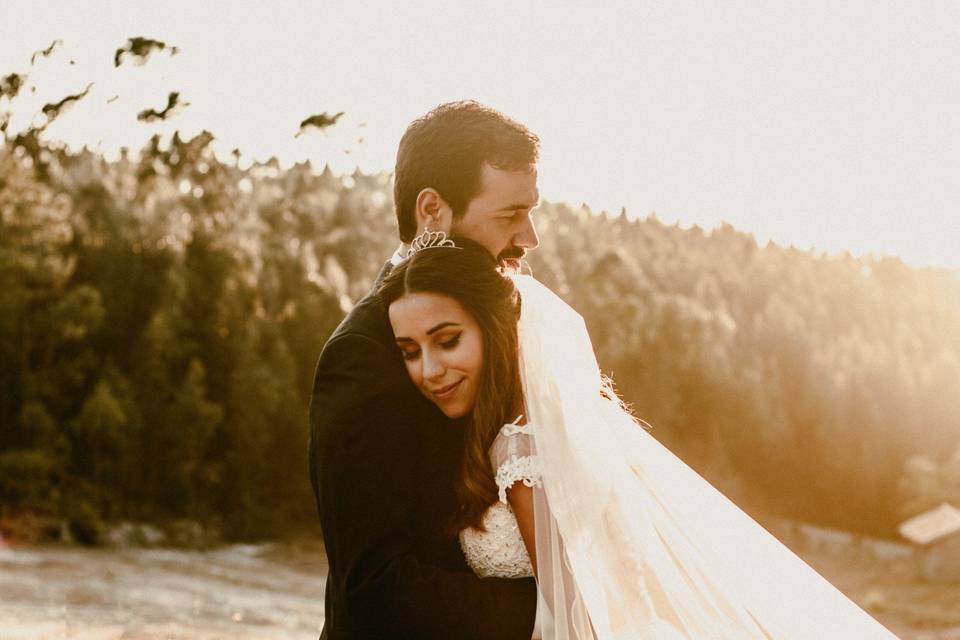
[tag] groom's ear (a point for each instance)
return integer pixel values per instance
(433, 212)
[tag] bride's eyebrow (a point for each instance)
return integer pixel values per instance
(430, 332)
(442, 325)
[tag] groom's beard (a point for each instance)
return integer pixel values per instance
(511, 257)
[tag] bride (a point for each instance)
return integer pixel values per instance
(559, 480)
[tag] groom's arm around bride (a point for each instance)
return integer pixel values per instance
(384, 461)
(384, 468)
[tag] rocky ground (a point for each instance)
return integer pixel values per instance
(267, 592)
(893, 593)
(273, 591)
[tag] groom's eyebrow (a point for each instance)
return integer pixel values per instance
(521, 205)
(525, 204)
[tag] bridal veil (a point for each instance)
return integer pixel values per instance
(631, 542)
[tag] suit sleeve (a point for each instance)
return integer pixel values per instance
(363, 468)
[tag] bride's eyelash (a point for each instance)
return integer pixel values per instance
(446, 344)
(452, 342)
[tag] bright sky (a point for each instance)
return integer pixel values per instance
(828, 124)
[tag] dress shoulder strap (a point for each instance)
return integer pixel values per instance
(514, 428)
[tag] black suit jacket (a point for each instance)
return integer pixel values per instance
(383, 462)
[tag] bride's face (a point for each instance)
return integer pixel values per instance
(442, 346)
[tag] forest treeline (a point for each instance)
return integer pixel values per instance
(161, 316)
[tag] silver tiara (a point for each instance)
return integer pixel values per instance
(430, 240)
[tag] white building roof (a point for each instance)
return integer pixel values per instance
(932, 525)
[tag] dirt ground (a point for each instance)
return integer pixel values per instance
(893, 593)
(262, 592)
(273, 592)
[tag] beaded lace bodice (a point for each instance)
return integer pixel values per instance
(499, 551)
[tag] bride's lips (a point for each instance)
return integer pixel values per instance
(445, 392)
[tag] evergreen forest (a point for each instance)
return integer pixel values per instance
(161, 315)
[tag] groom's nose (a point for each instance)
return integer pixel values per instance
(527, 236)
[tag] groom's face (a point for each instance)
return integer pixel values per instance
(500, 216)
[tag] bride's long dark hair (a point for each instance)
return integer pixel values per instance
(470, 275)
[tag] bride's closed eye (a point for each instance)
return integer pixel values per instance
(446, 345)
(452, 342)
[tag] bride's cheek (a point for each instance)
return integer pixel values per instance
(412, 371)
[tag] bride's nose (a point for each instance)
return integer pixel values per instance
(433, 367)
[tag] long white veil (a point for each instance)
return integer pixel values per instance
(631, 542)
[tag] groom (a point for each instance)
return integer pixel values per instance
(383, 460)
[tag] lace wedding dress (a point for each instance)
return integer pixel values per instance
(499, 551)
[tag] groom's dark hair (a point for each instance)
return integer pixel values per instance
(446, 150)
